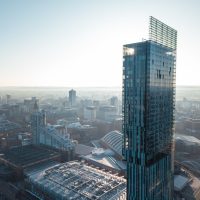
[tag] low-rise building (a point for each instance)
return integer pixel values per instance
(76, 181)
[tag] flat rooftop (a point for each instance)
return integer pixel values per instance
(186, 139)
(27, 156)
(82, 149)
(106, 161)
(180, 182)
(78, 181)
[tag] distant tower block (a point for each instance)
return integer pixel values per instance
(38, 122)
(90, 113)
(72, 97)
(115, 102)
(8, 97)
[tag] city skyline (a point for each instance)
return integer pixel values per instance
(76, 43)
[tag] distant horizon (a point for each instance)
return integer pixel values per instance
(72, 87)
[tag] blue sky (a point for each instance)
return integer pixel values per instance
(79, 42)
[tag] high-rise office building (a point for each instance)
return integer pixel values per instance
(8, 97)
(149, 69)
(115, 102)
(72, 97)
(38, 123)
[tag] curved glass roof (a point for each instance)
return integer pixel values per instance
(113, 139)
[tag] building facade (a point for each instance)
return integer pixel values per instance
(72, 97)
(107, 113)
(148, 104)
(90, 113)
(38, 123)
(55, 136)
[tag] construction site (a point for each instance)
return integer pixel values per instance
(76, 181)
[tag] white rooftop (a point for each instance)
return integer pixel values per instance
(188, 140)
(180, 182)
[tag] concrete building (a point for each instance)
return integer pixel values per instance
(82, 133)
(107, 113)
(25, 138)
(38, 123)
(8, 98)
(72, 97)
(114, 101)
(90, 113)
(29, 105)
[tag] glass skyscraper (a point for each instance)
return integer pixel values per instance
(149, 71)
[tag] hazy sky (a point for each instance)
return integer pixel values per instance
(79, 42)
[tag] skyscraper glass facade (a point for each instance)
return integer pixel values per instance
(148, 104)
